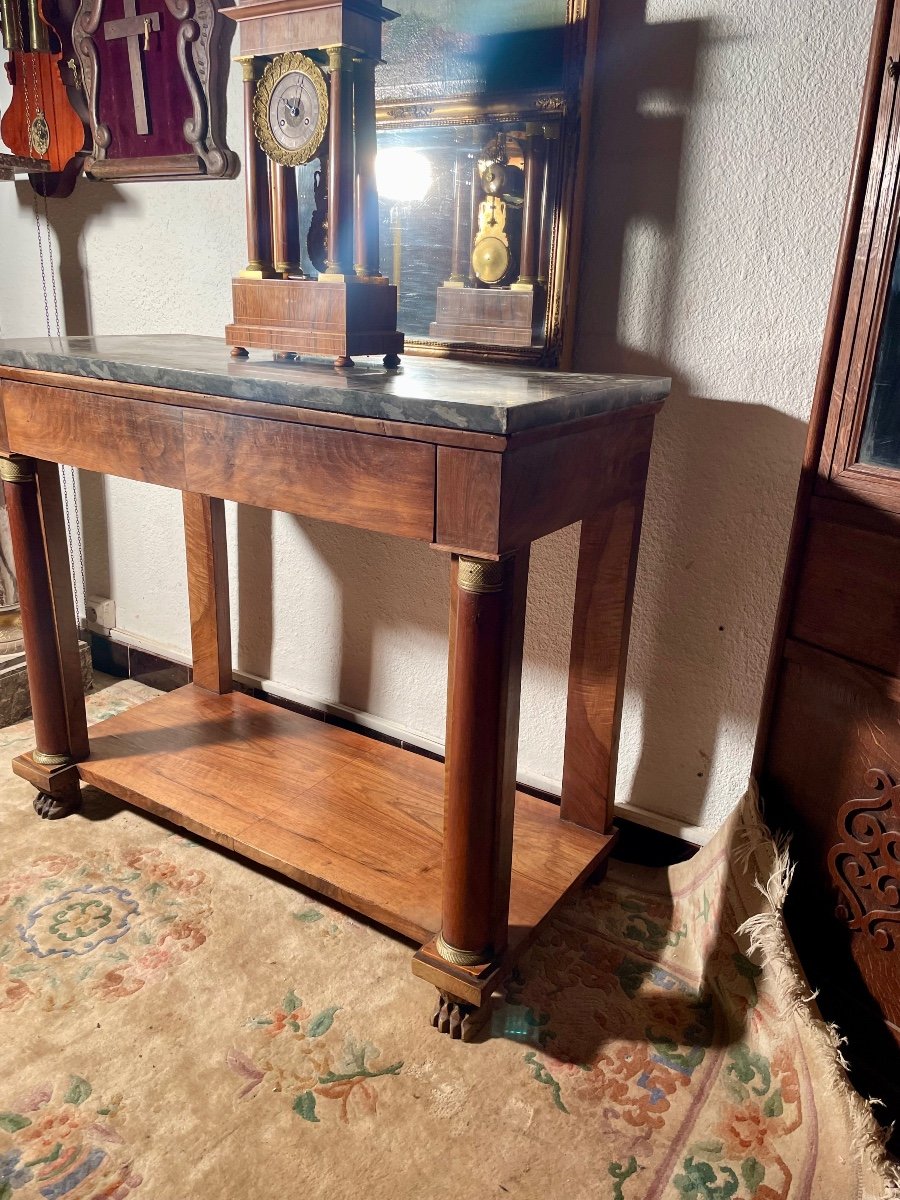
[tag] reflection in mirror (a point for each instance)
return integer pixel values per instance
(467, 214)
(443, 48)
(880, 443)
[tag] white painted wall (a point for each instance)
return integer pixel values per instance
(721, 155)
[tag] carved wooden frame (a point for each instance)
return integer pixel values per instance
(203, 38)
(865, 865)
(839, 464)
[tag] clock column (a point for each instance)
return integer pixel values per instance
(534, 161)
(285, 221)
(256, 176)
(367, 217)
(340, 164)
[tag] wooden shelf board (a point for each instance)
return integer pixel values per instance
(341, 814)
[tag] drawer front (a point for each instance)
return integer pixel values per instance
(848, 597)
(379, 483)
(132, 438)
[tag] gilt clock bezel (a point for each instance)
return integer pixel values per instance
(285, 64)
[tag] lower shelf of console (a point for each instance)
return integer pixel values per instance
(344, 815)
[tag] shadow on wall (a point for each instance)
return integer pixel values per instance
(69, 220)
(708, 577)
(714, 529)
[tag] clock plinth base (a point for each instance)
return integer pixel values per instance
(306, 316)
(491, 316)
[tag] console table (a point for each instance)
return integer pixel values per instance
(477, 461)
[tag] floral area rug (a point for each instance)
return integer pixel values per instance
(175, 1024)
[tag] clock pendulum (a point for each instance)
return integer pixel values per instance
(498, 297)
(309, 93)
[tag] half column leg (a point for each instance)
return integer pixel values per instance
(487, 622)
(37, 528)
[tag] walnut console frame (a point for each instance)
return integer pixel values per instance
(446, 854)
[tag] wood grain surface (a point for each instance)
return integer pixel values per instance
(351, 818)
(607, 561)
(350, 478)
(848, 594)
(116, 436)
(208, 598)
(484, 680)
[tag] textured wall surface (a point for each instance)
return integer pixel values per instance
(722, 146)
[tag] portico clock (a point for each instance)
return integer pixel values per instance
(290, 110)
(308, 70)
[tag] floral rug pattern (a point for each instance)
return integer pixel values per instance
(174, 1023)
(295, 1053)
(73, 927)
(62, 1140)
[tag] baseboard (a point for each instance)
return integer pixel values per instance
(121, 653)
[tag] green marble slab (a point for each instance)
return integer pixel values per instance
(425, 391)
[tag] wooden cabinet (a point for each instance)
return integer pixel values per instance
(828, 756)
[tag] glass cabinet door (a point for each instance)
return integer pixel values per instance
(880, 442)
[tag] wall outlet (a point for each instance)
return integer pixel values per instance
(101, 613)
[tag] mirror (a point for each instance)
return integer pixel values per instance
(479, 113)
(880, 441)
(470, 260)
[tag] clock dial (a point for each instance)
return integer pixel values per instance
(290, 110)
(294, 112)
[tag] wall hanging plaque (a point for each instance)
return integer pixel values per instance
(155, 73)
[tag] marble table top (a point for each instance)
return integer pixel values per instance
(477, 397)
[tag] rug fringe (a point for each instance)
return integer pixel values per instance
(769, 939)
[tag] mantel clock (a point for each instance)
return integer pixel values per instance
(498, 297)
(309, 93)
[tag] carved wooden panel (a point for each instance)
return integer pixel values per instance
(865, 865)
(154, 74)
(835, 720)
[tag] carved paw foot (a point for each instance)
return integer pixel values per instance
(462, 1021)
(239, 352)
(343, 363)
(392, 361)
(52, 808)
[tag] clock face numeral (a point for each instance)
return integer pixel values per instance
(290, 110)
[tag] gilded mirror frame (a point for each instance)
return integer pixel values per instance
(569, 108)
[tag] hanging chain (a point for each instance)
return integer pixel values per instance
(68, 476)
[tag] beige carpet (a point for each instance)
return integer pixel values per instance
(175, 1024)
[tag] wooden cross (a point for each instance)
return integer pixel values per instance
(133, 28)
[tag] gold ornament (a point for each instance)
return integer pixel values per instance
(313, 129)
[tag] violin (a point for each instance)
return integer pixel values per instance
(47, 119)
